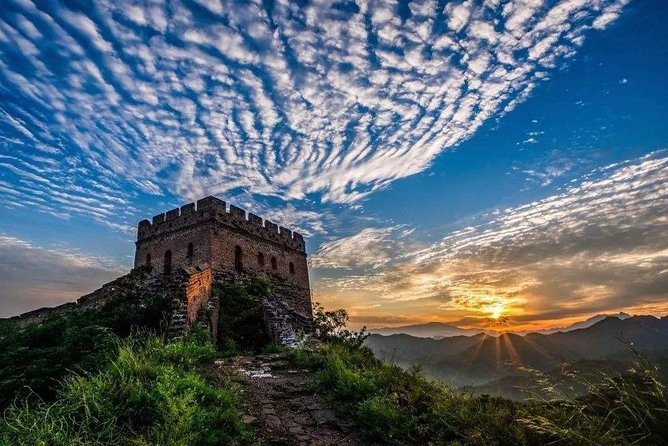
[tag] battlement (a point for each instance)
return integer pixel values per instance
(213, 209)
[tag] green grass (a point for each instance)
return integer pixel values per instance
(396, 406)
(150, 394)
(35, 358)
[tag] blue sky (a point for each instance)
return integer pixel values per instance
(447, 160)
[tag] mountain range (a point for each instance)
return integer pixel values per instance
(502, 365)
(438, 330)
(434, 330)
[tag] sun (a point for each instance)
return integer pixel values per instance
(496, 310)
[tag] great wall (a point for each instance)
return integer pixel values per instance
(180, 254)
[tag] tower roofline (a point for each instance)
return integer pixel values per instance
(209, 208)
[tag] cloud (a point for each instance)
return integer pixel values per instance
(371, 247)
(191, 99)
(601, 244)
(34, 277)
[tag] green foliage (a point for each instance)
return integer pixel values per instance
(241, 326)
(401, 407)
(330, 326)
(623, 410)
(36, 357)
(150, 394)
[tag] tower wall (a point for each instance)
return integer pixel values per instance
(217, 234)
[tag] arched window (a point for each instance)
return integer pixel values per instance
(260, 259)
(148, 259)
(168, 262)
(292, 268)
(238, 263)
(274, 264)
(191, 250)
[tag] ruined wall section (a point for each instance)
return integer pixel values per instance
(191, 291)
(127, 289)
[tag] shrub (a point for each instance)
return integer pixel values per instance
(395, 406)
(330, 326)
(625, 409)
(36, 357)
(241, 326)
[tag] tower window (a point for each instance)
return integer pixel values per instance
(148, 259)
(168, 262)
(274, 263)
(191, 250)
(238, 263)
(292, 268)
(260, 259)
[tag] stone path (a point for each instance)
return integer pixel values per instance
(283, 404)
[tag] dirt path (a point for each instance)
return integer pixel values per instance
(283, 404)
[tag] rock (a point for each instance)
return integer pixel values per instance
(248, 419)
(273, 422)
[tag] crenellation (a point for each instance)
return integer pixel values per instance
(254, 219)
(212, 203)
(158, 218)
(173, 214)
(272, 227)
(187, 209)
(211, 208)
(237, 212)
(285, 232)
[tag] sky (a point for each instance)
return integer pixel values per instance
(491, 163)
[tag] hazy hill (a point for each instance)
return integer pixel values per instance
(586, 323)
(429, 330)
(438, 330)
(481, 359)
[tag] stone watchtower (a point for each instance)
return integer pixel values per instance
(232, 245)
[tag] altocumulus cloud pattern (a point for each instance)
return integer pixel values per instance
(281, 98)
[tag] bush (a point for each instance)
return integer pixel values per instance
(401, 407)
(330, 326)
(626, 409)
(36, 357)
(241, 326)
(150, 394)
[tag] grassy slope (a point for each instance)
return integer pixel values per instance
(401, 407)
(35, 358)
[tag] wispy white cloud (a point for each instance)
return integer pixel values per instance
(371, 247)
(598, 245)
(287, 102)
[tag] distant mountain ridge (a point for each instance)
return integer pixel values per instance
(428, 330)
(439, 330)
(481, 359)
(584, 324)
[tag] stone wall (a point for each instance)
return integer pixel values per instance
(191, 291)
(131, 283)
(39, 315)
(234, 243)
